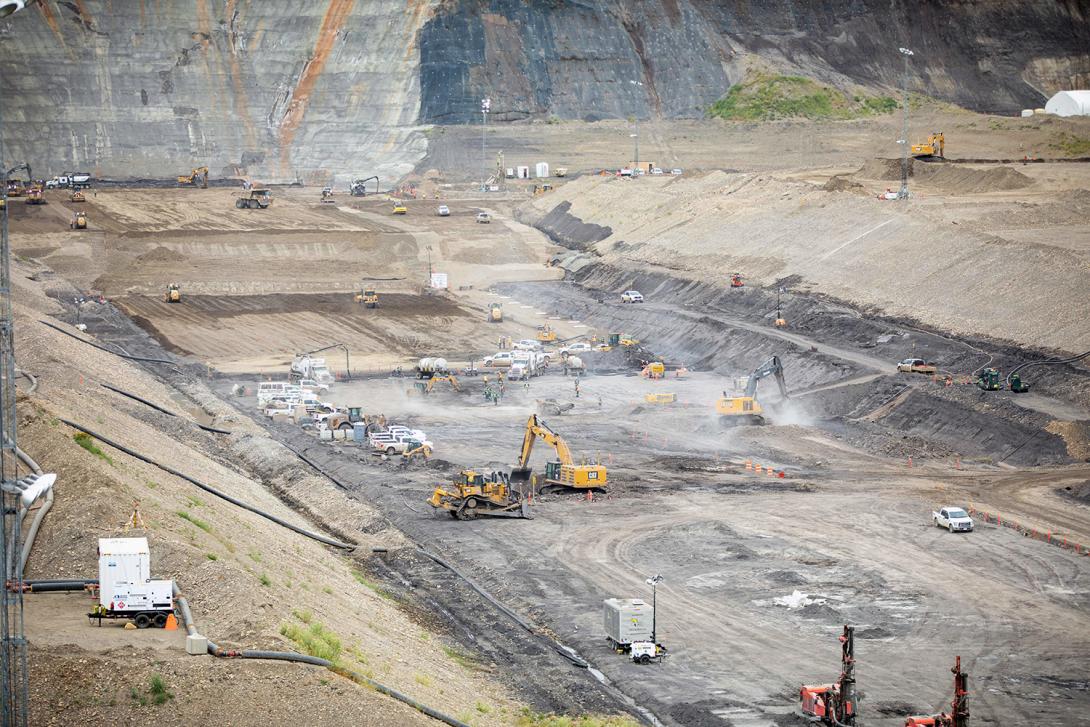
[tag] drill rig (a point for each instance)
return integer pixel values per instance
(959, 707)
(834, 704)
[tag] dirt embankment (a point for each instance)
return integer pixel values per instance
(904, 260)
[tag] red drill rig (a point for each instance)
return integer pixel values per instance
(959, 708)
(834, 704)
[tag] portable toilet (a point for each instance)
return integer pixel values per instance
(523, 172)
(510, 173)
(541, 171)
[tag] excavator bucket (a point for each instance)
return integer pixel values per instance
(521, 474)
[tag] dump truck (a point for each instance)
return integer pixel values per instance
(258, 199)
(126, 589)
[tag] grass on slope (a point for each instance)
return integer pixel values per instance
(765, 97)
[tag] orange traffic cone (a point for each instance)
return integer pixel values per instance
(172, 623)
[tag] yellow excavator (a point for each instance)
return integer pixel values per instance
(934, 147)
(745, 409)
(562, 473)
(173, 294)
(473, 494)
(197, 176)
(427, 387)
(368, 298)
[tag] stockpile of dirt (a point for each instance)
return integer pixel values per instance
(161, 254)
(840, 183)
(886, 169)
(968, 180)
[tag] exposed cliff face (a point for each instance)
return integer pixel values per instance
(279, 90)
(273, 89)
(576, 60)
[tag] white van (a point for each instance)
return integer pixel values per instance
(266, 390)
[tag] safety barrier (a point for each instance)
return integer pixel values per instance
(1060, 540)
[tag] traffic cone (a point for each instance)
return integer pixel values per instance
(172, 623)
(749, 464)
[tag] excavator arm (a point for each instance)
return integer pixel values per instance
(771, 367)
(535, 428)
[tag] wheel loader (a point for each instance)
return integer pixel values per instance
(495, 312)
(173, 294)
(473, 494)
(367, 298)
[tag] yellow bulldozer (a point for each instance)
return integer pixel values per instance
(473, 494)
(367, 298)
(560, 474)
(745, 409)
(495, 312)
(198, 177)
(34, 195)
(935, 146)
(173, 294)
(79, 222)
(546, 334)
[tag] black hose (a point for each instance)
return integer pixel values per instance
(103, 348)
(1016, 369)
(211, 490)
(56, 586)
(292, 656)
(155, 406)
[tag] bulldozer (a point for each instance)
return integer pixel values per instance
(560, 474)
(958, 716)
(258, 199)
(834, 704)
(745, 409)
(77, 196)
(34, 195)
(546, 334)
(173, 294)
(79, 222)
(495, 312)
(472, 494)
(368, 298)
(935, 146)
(198, 176)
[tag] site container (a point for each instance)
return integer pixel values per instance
(627, 620)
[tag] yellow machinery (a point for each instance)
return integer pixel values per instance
(173, 294)
(258, 199)
(745, 409)
(368, 298)
(77, 196)
(79, 222)
(654, 370)
(660, 398)
(422, 451)
(472, 494)
(934, 147)
(546, 334)
(15, 188)
(400, 209)
(426, 387)
(561, 473)
(495, 312)
(34, 195)
(197, 176)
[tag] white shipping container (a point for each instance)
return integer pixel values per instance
(627, 620)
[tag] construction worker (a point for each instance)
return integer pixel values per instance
(577, 387)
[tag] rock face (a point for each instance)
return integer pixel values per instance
(281, 90)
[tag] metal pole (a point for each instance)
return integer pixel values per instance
(903, 194)
(654, 613)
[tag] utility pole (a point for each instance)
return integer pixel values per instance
(903, 194)
(636, 136)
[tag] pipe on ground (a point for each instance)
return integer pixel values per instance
(211, 490)
(100, 347)
(158, 408)
(39, 516)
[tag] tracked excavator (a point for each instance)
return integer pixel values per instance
(473, 494)
(958, 716)
(15, 186)
(198, 177)
(935, 146)
(359, 187)
(745, 409)
(835, 704)
(560, 474)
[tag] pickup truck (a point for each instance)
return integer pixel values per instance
(916, 366)
(503, 358)
(577, 348)
(397, 445)
(954, 519)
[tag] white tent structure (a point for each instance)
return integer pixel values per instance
(1069, 103)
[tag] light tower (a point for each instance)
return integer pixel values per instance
(903, 141)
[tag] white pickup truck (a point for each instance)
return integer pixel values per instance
(954, 519)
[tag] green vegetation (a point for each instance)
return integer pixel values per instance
(1076, 146)
(196, 521)
(193, 501)
(157, 692)
(255, 556)
(533, 719)
(463, 659)
(265, 580)
(85, 440)
(379, 590)
(304, 616)
(211, 556)
(766, 97)
(422, 679)
(483, 708)
(316, 640)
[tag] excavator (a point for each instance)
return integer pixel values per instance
(935, 146)
(546, 334)
(959, 707)
(197, 176)
(745, 409)
(15, 186)
(427, 387)
(835, 704)
(359, 187)
(173, 294)
(561, 473)
(473, 494)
